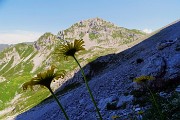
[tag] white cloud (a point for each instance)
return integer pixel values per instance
(18, 36)
(146, 30)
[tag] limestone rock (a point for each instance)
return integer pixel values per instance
(155, 66)
(173, 67)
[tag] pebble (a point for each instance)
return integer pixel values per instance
(137, 109)
(178, 89)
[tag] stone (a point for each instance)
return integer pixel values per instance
(110, 102)
(173, 67)
(82, 101)
(90, 108)
(112, 106)
(136, 86)
(177, 47)
(155, 66)
(137, 109)
(124, 99)
(163, 94)
(178, 89)
(164, 44)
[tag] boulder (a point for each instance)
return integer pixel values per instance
(173, 67)
(155, 66)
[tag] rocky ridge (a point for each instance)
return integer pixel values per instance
(97, 32)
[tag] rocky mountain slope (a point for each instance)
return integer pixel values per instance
(97, 32)
(111, 80)
(18, 63)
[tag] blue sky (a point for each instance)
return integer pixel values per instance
(26, 20)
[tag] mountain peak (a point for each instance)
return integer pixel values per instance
(96, 22)
(46, 39)
(46, 35)
(98, 32)
(94, 19)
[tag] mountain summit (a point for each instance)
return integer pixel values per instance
(98, 32)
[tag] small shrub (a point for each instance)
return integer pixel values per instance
(170, 108)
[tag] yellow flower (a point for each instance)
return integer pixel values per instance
(115, 117)
(140, 112)
(69, 49)
(44, 78)
(143, 79)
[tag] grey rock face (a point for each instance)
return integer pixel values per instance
(155, 66)
(173, 67)
(178, 89)
(164, 44)
(124, 99)
(103, 102)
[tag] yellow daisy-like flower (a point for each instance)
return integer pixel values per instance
(143, 79)
(44, 78)
(69, 49)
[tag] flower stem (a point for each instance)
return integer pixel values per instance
(155, 103)
(87, 86)
(61, 107)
